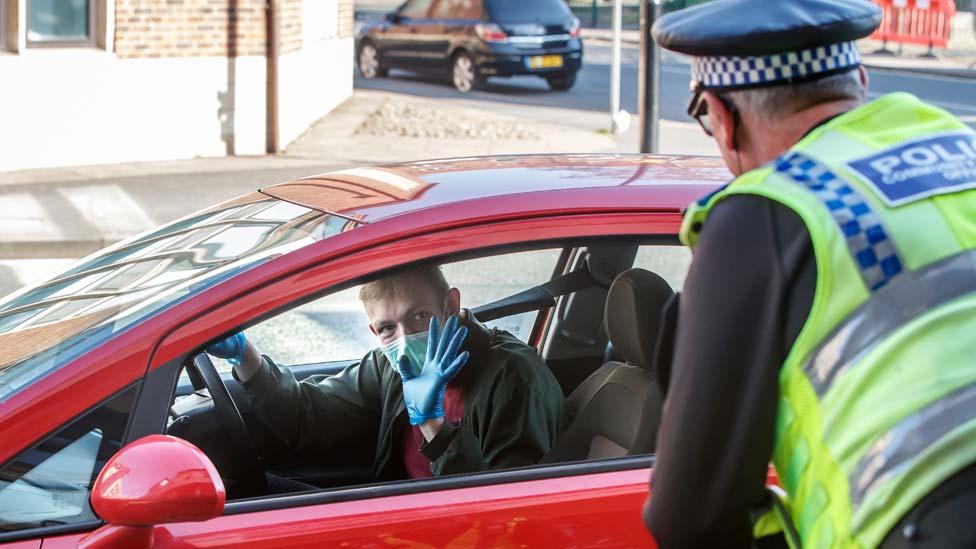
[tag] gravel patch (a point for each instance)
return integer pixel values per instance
(402, 119)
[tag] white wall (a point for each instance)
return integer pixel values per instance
(962, 36)
(71, 107)
(313, 81)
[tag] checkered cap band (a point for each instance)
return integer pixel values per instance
(867, 239)
(744, 72)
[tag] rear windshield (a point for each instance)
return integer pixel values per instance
(46, 326)
(520, 11)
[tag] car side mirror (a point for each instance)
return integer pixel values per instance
(154, 480)
(393, 17)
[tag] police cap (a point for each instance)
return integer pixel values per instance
(737, 44)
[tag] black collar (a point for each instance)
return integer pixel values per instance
(821, 123)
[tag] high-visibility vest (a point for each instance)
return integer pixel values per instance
(878, 393)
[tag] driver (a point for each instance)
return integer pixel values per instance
(442, 394)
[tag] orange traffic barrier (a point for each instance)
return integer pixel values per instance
(925, 22)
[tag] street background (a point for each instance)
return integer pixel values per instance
(50, 217)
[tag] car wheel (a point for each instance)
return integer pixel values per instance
(464, 74)
(369, 61)
(561, 82)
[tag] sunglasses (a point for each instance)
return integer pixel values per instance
(698, 109)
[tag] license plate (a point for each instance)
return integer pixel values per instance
(545, 61)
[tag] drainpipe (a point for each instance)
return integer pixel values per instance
(271, 93)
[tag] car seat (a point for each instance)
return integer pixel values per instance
(616, 411)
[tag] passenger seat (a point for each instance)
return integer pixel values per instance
(616, 411)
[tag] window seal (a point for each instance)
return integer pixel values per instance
(46, 531)
(453, 482)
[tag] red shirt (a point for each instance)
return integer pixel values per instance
(416, 463)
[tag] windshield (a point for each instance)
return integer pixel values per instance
(46, 326)
(520, 11)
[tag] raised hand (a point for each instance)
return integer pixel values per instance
(424, 393)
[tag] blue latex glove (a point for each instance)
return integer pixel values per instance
(424, 393)
(231, 349)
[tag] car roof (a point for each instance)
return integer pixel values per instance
(517, 184)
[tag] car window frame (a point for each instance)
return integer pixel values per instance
(479, 4)
(646, 226)
(137, 390)
(401, 11)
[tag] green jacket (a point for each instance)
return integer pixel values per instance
(513, 408)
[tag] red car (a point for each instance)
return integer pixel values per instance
(118, 431)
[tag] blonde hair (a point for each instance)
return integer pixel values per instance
(403, 282)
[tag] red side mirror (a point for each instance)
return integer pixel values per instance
(154, 480)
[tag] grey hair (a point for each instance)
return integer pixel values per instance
(775, 102)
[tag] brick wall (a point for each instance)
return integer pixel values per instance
(346, 18)
(202, 28)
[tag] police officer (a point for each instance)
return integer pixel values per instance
(828, 322)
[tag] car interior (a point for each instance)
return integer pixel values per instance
(592, 309)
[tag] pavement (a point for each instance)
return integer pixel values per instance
(960, 62)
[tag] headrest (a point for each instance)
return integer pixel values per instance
(633, 314)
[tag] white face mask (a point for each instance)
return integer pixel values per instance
(414, 346)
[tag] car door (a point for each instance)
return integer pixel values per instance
(590, 503)
(403, 39)
(454, 22)
(593, 503)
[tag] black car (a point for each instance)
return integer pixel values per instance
(473, 39)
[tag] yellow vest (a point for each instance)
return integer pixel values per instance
(878, 393)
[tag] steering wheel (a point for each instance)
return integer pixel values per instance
(230, 418)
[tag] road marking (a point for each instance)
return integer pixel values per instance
(110, 209)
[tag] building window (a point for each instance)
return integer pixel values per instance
(60, 23)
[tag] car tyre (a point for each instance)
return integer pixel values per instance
(368, 62)
(561, 82)
(464, 73)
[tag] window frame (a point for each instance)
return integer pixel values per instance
(478, 7)
(174, 350)
(90, 42)
(132, 391)
(406, 5)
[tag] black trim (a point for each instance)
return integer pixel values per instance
(540, 297)
(46, 531)
(468, 480)
(152, 406)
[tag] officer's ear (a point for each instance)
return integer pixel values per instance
(862, 74)
(722, 120)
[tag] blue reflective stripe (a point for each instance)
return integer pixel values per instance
(703, 201)
(867, 240)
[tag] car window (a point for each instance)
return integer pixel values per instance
(50, 484)
(335, 327)
(416, 9)
(458, 9)
(52, 323)
(520, 11)
(671, 262)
